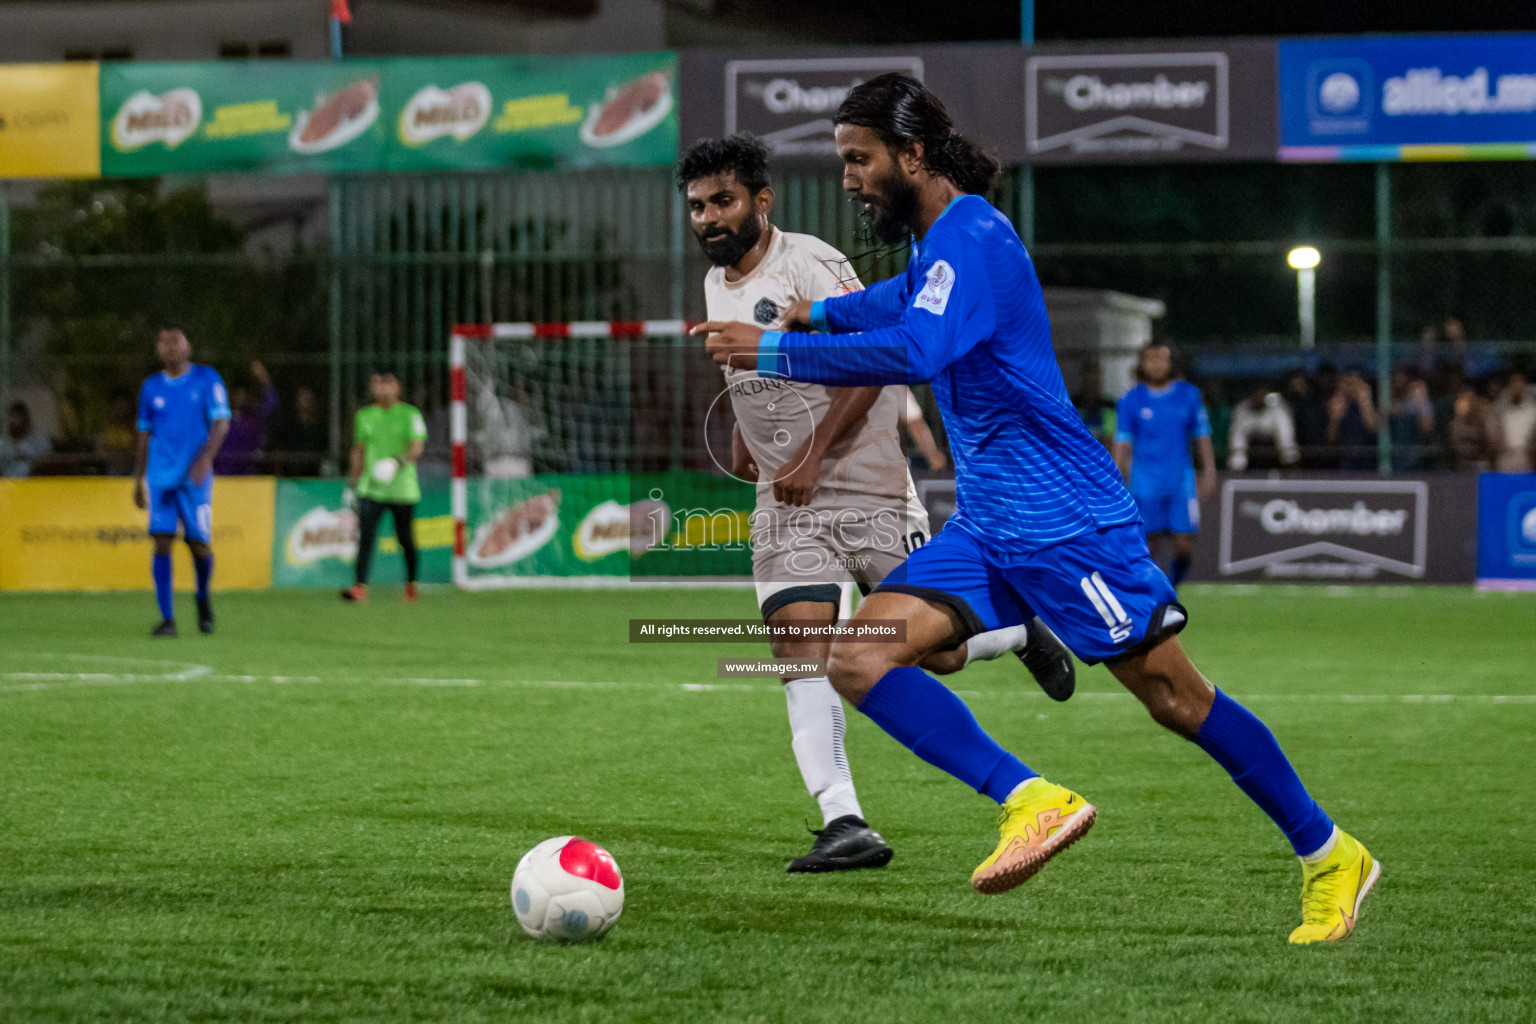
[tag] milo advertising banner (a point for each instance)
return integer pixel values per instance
(314, 539)
(641, 526)
(402, 114)
(476, 112)
(270, 116)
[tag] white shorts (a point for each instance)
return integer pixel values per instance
(810, 553)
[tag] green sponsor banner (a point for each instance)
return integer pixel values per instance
(474, 112)
(381, 115)
(269, 116)
(314, 538)
(663, 525)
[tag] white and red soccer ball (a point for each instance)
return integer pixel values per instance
(567, 889)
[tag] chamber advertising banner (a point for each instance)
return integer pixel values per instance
(1210, 100)
(405, 114)
(1506, 531)
(1340, 530)
(49, 124)
(1467, 97)
(787, 96)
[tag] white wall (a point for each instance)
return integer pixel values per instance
(159, 29)
(442, 28)
(34, 30)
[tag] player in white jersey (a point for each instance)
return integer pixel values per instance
(835, 502)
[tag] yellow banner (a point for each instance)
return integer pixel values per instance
(84, 534)
(50, 121)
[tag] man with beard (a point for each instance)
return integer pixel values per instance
(835, 502)
(1042, 521)
(1155, 424)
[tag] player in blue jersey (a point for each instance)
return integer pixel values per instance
(1156, 422)
(1042, 524)
(183, 417)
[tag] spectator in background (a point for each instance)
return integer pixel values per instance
(118, 442)
(248, 427)
(1157, 423)
(23, 444)
(301, 438)
(1218, 406)
(1445, 386)
(1512, 427)
(1352, 423)
(1309, 413)
(1470, 446)
(504, 433)
(1263, 417)
(1411, 422)
(1451, 334)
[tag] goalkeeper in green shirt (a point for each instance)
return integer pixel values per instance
(388, 438)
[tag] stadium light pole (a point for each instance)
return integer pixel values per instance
(1304, 260)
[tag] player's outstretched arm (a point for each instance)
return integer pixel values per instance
(1125, 418)
(882, 304)
(953, 311)
(354, 473)
(203, 464)
(140, 464)
(217, 411)
(945, 320)
(146, 423)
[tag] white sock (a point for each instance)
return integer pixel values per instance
(1324, 850)
(995, 643)
(816, 724)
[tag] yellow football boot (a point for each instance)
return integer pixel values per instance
(1332, 890)
(1037, 822)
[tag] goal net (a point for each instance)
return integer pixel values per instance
(591, 454)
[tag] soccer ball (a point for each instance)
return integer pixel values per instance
(567, 889)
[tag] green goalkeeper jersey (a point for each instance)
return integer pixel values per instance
(388, 434)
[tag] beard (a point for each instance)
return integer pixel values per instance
(725, 247)
(890, 220)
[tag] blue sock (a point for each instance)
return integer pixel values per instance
(926, 717)
(204, 567)
(1246, 748)
(161, 568)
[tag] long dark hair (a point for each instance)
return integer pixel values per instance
(901, 111)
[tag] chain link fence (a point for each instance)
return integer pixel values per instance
(369, 273)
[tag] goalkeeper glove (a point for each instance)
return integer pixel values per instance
(349, 499)
(384, 470)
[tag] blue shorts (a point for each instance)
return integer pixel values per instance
(1170, 511)
(1100, 592)
(189, 504)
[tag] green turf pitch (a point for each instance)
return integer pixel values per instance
(314, 815)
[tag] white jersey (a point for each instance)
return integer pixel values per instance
(775, 416)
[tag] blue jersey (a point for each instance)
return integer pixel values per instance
(1159, 425)
(177, 412)
(969, 316)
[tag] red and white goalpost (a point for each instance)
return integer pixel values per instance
(459, 356)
